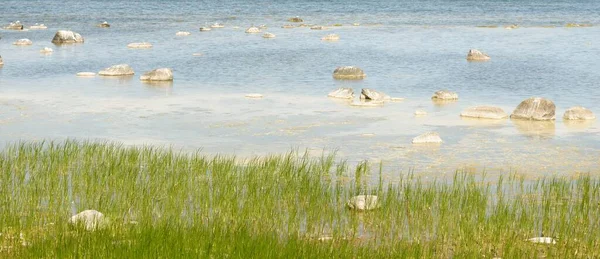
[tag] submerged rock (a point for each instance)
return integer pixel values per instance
(578, 113)
(139, 45)
(348, 72)
(217, 25)
(86, 74)
(89, 220)
(104, 25)
(295, 19)
(363, 202)
(373, 95)
(205, 29)
(342, 93)
(117, 70)
(484, 112)
(331, 37)
(66, 37)
(476, 55)
(23, 42)
(253, 30)
(46, 50)
(183, 33)
(534, 108)
(445, 95)
(288, 26)
(428, 138)
(160, 74)
(317, 28)
(38, 27)
(268, 35)
(14, 26)
(254, 96)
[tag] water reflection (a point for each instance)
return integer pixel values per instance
(578, 125)
(493, 123)
(121, 80)
(443, 103)
(536, 129)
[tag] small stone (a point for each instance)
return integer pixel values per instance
(160, 74)
(89, 220)
(342, 93)
(356, 24)
(139, 45)
(253, 30)
(86, 74)
(511, 27)
(535, 108)
(476, 55)
(1, 61)
(349, 72)
(268, 35)
(198, 54)
(183, 33)
(373, 95)
(445, 95)
(23, 42)
(104, 25)
(295, 19)
(420, 113)
(217, 25)
(288, 26)
(117, 70)
(331, 37)
(397, 99)
(205, 29)
(484, 112)
(363, 202)
(67, 37)
(254, 96)
(46, 50)
(578, 113)
(427, 138)
(317, 28)
(38, 27)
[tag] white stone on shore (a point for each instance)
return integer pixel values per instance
(342, 93)
(428, 138)
(542, 240)
(476, 55)
(363, 202)
(535, 108)
(67, 37)
(46, 50)
(484, 112)
(160, 74)
(578, 113)
(38, 27)
(23, 42)
(253, 30)
(373, 95)
(117, 70)
(420, 113)
(89, 220)
(254, 96)
(86, 74)
(183, 33)
(445, 95)
(268, 35)
(331, 37)
(139, 45)
(348, 72)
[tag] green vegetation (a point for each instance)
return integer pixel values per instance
(167, 204)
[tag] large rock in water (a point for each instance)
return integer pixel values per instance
(484, 112)
(428, 138)
(160, 74)
(535, 108)
(342, 93)
(476, 55)
(117, 70)
(445, 95)
(578, 113)
(89, 220)
(373, 95)
(363, 202)
(66, 37)
(348, 72)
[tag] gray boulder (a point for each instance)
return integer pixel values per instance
(373, 95)
(117, 70)
(363, 202)
(67, 37)
(578, 113)
(160, 74)
(89, 220)
(535, 108)
(445, 95)
(349, 72)
(342, 93)
(484, 112)
(428, 138)
(476, 55)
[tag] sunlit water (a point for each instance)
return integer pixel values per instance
(408, 49)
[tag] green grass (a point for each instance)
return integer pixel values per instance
(190, 206)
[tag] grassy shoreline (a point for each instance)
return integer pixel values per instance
(162, 203)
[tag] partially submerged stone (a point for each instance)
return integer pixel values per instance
(67, 37)
(23, 42)
(198, 54)
(317, 28)
(373, 95)
(356, 24)
(38, 27)
(254, 96)
(253, 30)
(14, 26)
(117, 70)
(534, 108)
(160, 74)
(288, 26)
(428, 138)
(295, 19)
(89, 220)
(46, 50)
(331, 37)
(183, 33)
(104, 24)
(342, 93)
(217, 25)
(349, 72)
(86, 74)
(139, 45)
(363, 202)
(484, 112)
(577, 25)
(578, 113)
(445, 95)
(205, 29)
(511, 27)
(420, 113)
(1, 61)
(476, 55)
(268, 35)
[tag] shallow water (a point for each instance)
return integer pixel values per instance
(408, 49)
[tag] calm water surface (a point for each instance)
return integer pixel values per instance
(408, 49)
